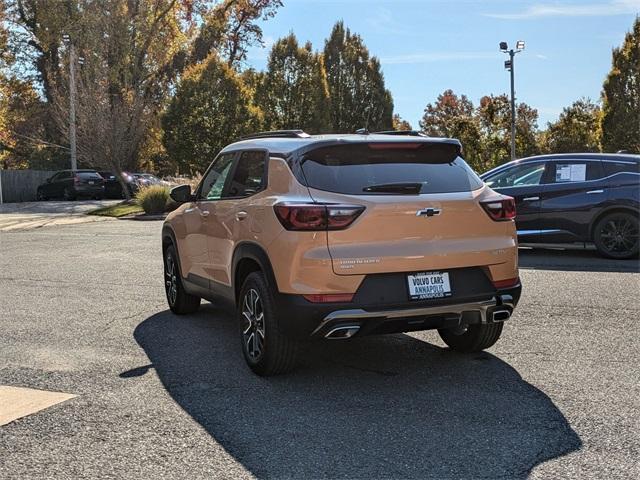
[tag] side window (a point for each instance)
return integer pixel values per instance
(574, 171)
(248, 177)
(213, 183)
(517, 176)
(611, 168)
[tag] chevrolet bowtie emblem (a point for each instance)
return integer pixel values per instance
(428, 212)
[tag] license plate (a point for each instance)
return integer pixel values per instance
(425, 285)
(91, 182)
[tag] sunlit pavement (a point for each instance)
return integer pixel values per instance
(159, 396)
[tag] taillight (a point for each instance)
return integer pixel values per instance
(316, 216)
(509, 282)
(501, 210)
(76, 179)
(330, 298)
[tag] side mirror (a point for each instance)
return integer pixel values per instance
(181, 194)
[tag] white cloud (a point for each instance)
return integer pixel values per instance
(382, 20)
(614, 7)
(428, 57)
(541, 57)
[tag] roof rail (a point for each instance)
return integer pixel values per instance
(278, 133)
(410, 133)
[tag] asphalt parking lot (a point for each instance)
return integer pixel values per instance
(83, 312)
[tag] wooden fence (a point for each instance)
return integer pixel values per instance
(21, 185)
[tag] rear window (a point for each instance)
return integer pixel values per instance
(379, 169)
(88, 175)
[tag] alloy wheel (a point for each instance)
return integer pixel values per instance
(619, 236)
(171, 280)
(253, 324)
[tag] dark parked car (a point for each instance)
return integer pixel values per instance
(71, 184)
(112, 187)
(581, 199)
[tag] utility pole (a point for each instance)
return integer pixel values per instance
(72, 102)
(72, 106)
(509, 65)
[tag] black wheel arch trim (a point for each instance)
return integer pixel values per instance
(167, 233)
(253, 251)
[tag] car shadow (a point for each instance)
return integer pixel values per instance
(573, 260)
(378, 407)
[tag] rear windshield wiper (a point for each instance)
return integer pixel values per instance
(399, 188)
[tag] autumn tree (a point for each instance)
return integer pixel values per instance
(621, 96)
(22, 112)
(357, 90)
(494, 115)
(577, 129)
(293, 91)
(211, 108)
(400, 124)
(134, 52)
(453, 116)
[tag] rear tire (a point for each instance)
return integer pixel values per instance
(266, 349)
(40, 196)
(478, 337)
(180, 302)
(616, 236)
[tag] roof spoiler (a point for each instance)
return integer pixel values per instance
(409, 133)
(278, 134)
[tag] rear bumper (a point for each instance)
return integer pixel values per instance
(89, 190)
(302, 319)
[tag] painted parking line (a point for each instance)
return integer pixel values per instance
(18, 402)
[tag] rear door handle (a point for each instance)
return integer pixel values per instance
(241, 215)
(530, 199)
(595, 191)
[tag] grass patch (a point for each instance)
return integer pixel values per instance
(118, 210)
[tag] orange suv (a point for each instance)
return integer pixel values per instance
(341, 236)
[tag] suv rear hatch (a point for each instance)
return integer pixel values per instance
(422, 208)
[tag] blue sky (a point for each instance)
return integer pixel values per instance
(427, 46)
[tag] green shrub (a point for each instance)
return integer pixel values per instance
(153, 199)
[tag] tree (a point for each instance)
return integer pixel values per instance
(22, 120)
(231, 27)
(358, 95)
(494, 114)
(621, 96)
(577, 129)
(134, 53)
(453, 116)
(293, 92)
(211, 108)
(400, 123)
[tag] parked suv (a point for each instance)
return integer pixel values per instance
(581, 199)
(71, 184)
(338, 236)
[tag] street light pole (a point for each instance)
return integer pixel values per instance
(512, 54)
(510, 65)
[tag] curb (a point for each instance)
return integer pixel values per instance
(144, 217)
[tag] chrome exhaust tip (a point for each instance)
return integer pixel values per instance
(500, 315)
(343, 332)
